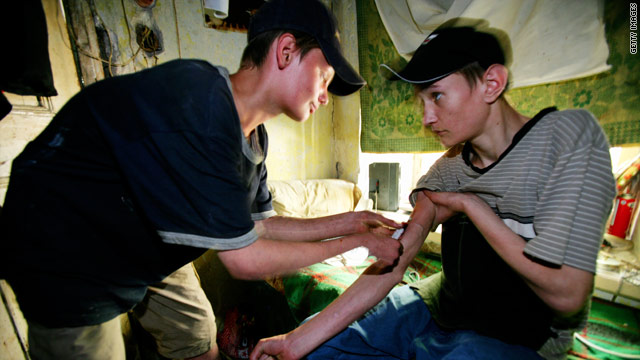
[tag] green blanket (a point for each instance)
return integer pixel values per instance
(312, 288)
(611, 327)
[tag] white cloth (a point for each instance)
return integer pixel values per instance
(551, 40)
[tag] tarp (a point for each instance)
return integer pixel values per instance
(551, 40)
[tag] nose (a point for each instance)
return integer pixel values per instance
(429, 116)
(324, 97)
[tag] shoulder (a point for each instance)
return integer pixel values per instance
(197, 72)
(577, 117)
(174, 78)
(572, 120)
(188, 65)
(443, 172)
(187, 73)
(573, 127)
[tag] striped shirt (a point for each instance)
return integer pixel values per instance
(553, 186)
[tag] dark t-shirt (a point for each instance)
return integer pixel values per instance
(135, 176)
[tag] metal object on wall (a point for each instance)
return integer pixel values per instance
(383, 185)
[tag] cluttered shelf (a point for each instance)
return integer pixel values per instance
(618, 272)
(618, 266)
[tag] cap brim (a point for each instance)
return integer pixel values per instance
(425, 69)
(346, 80)
(393, 76)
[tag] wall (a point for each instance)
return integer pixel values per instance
(613, 96)
(346, 118)
(28, 118)
(327, 145)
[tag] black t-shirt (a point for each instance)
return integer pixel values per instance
(135, 176)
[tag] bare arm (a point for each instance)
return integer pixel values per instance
(368, 290)
(286, 244)
(266, 257)
(563, 289)
(295, 229)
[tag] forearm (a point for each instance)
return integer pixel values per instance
(368, 290)
(267, 257)
(563, 289)
(311, 229)
(327, 227)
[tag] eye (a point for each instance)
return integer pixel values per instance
(436, 96)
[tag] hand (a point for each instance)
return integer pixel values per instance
(372, 222)
(387, 249)
(272, 348)
(449, 203)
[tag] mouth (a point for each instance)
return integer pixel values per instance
(313, 108)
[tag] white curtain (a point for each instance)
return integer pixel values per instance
(551, 40)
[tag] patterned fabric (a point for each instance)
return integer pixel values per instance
(312, 288)
(613, 97)
(611, 327)
(391, 116)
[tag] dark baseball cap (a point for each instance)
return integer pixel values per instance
(447, 50)
(313, 18)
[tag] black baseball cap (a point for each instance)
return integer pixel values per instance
(313, 18)
(447, 50)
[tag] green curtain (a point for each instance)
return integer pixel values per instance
(391, 116)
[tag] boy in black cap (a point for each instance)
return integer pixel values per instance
(523, 203)
(140, 174)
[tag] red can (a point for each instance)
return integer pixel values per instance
(621, 217)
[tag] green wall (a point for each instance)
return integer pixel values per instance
(613, 97)
(392, 117)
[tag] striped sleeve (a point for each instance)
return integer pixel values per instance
(429, 181)
(576, 200)
(436, 179)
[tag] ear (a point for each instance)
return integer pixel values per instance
(285, 48)
(495, 80)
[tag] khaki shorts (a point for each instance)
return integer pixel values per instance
(176, 312)
(102, 341)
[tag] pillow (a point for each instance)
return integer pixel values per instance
(313, 198)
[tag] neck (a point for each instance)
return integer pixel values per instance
(502, 124)
(251, 98)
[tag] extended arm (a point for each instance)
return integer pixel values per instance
(563, 289)
(312, 229)
(368, 290)
(288, 244)
(266, 257)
